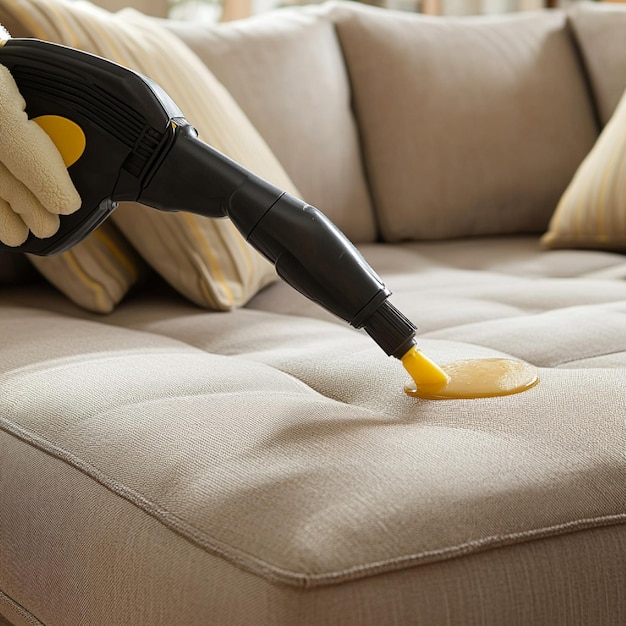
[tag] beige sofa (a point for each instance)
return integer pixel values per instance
(170, 464)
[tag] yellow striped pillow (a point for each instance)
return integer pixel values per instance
(97, 272)
(204, 259)
(592, 211)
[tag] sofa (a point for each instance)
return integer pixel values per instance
(185, 439)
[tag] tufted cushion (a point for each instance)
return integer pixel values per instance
(251, 462)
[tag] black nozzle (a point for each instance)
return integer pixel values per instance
(316, 258)
(193, 176)
(391, 330)
(310, 253)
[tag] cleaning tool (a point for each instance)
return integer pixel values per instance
(127, 140)
(136, 145)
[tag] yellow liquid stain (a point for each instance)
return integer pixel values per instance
(467, 379)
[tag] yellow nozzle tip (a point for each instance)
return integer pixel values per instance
(422, 370)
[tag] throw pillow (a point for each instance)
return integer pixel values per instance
(267, 63)
(101, 270)
(204, 259)
(97, 272)
(592, 211)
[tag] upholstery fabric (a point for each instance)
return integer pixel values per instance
(206, 260)
(599, 30)
(470, 126)
(276, 452)
(592, 211)
(503, 586)
(267, 63)
(166, 464)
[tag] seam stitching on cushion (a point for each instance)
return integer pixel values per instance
(19, 609)
(168, 519)
(276, 573)
(464, 549)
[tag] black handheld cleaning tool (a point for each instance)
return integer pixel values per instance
(138, 146)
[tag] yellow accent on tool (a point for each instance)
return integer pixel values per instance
(67, 136)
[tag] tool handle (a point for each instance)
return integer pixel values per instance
(193, 176)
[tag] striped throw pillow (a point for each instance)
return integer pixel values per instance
(592, 211)
(97, 272)
(205, 259)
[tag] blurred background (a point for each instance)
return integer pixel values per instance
(226, 10)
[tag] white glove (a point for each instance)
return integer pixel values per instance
(35, 187)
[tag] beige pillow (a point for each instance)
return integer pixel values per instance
(470, 126)
(206, 260)
(287, 72)
(592, 211)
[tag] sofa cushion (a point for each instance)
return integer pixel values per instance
(592, 211)
(210, 466)
(287, 73)
(470, 126)
(599, 29)
(206, 260)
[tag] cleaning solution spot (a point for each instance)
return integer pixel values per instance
(472, 378)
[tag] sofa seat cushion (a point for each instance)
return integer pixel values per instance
(449, 285)
(259, 458)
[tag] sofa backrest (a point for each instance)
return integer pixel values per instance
(287, 73)
(463, 126)
(469, 126)
(600, 31)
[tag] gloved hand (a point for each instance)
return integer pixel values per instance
(35, 187)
